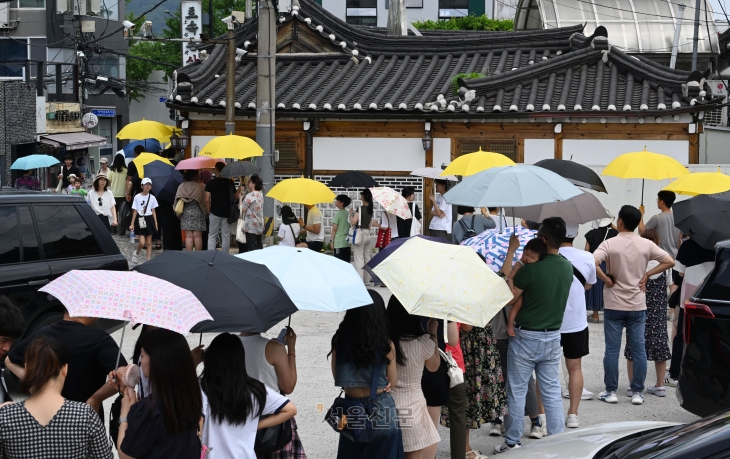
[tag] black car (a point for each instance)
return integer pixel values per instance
(43, 236)
(704, 380)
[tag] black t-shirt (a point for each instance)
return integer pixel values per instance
(594, 237)
(221, 190)
(92, 354)
(66, 172)
(147, 437)
(404, 225)
(4, 395)
(133, 174)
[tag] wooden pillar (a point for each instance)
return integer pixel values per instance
(427, 190)
(558, 154)
(520, 154)
(694, 148)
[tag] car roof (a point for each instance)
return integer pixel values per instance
(12, 196)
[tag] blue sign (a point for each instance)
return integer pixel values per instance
(163, 99)
(104, 113)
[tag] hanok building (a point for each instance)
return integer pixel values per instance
(349, 97)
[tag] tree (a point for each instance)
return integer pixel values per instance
(467, 23)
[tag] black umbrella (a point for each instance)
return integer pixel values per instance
(165, 180)
(241, 296)
(705, 218)
(353, 179)
(577, 174)
(239, 169)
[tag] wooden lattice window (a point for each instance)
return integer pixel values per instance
(291, 153)
(505, 147)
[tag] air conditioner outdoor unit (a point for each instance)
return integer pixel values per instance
(93, 7)
(717, 117)
(79, 7)
(85, 7)
(5, 15)
(65, 6)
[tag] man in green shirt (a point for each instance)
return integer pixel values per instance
(340, 227)
(544, 287)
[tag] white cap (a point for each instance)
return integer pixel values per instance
(146, 180)
(571, 229)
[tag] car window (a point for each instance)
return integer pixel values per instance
(717, 285)
(9, 238)
(64, 233)
(31, 250)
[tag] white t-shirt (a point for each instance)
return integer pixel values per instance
(228, 441)
(141, 201)
(388, 220)
(107, 203)
(574, 318)
(438, 223)
(314, 216)
(286, 238)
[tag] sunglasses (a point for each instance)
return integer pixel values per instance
(99, 201)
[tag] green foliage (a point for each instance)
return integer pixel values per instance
(466, 76)
(467, 23)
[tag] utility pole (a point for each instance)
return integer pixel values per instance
(677, 30)
(265, 99)
(695, 37)
(231, 80)
(397, 22)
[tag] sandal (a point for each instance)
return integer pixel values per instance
(594, 321)
(158, 246)
(477, 454)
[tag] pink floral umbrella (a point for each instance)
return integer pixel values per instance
(198, 162)
(392, 201)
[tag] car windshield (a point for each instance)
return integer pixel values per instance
(673, 441)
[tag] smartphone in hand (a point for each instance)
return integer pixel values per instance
(282, 336)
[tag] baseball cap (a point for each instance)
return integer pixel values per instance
(104, 160)
(146, 180)
(71, 175)
(571, 229)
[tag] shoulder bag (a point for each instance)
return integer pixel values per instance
(356, 235)
(352, 418)
(179, 207)
(456, 376)
(240, 230)
(273, 438)
(142, 219)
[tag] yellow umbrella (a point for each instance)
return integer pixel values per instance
(301, 191)
(144, 129)
(471, 163)
(701, 183)
(444, 281)
(646, 166)
(146, 158)
(232, 146)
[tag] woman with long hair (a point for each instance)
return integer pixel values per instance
(46, 424)
(165, 423)
(192, 220)
(117, 177)
(102, 201)
(415, 348)
(363, 218)
(234, 402)
(253, 213)
(289, 229)
(361, 351)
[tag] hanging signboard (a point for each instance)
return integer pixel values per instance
(191, 27)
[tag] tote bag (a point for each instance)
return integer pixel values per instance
(240, 233)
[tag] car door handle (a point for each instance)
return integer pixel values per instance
(39, 282)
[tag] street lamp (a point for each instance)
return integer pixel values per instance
(427, 141)
(179, 142)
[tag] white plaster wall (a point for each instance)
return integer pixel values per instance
(604, 151)
(441, 152)
(336, 153)
(714, 145)
(538, 149)
(198, 141)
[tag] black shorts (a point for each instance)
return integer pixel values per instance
(317, 246)
(149, 231)
(575, 345)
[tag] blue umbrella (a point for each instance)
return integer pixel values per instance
(511, 186)
(493, 243)
(34, 162)
(150, 145)
(165, 180)
(314, 281)
(392, 247)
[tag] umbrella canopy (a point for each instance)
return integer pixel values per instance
(199, 162)
(146, 158)
(353, 179)
(575, 173)
(433, 173)
(581, 209)
(445, 281)
(392, 201)
(516, 186)
(701, 183)
(706, 218)
(232, 146)
(165, 180)
(152, 145)
(241, 296)
(471, 163)
(493, 244)
(314, 281)
(145, 130)
(240, 169)
(34, 162)
(645, 165)
(128, 296)
(392, 247)
(301, 191)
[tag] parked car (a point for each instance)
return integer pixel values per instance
(707, 438)
(704, 380)
(43, 236)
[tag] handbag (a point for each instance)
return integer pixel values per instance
(235, 212)
(179, 207)
(456, 376)
(240, 233)
(383, 238)
(141, 219)
(356, 235)
(415, 227)
(273, 438)
(350, 417)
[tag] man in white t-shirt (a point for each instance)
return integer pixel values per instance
(440, 225)
(314, 228)
(574, 330)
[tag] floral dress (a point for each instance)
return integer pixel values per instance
(486, 398)
(253, 213)
(655, 332)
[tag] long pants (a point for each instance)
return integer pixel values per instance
(539, 352)
(254, 242)
(614, 322)
(343, 253)
(362, 256)
(446, 236)
(457, 420)
(105, 221)
(677, 348)
(531, 406)
(219, 225)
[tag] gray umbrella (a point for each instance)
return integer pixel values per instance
(581, 209)
(706, 218)
(239, 169)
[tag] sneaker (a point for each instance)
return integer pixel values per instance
(669, 381)
(658, 391)
(135, 258)
(572, 422)
(504, 447)
(496, 430)
(535, 432)
(629, 393)
(587, 395)
(477, 454)
(637, 399)
(543, 424)
(608, 397)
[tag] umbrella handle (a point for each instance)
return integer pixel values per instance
(289, 324)
(201, 340)
(642, 192)
(121, 343)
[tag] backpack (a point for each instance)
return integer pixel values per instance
(468, 230)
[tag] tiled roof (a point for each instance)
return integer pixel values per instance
(356, 70)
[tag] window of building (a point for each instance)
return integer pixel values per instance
(13, 49)
(9, 238)
(31, 250)
(505, 147)
(29, 4)
(106, 65)
(362, 12)
(60, 56)
(64, 233)
(109, 9)
(453, 8)
(291, 155)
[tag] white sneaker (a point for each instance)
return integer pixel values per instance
(572, 422)
(608, 397)
(477, 455)
(536, 432)
(637, 399)
(135, 258)
(496, 430)
(658, 391)
(504, 447)
(669, 381)
(587, 395)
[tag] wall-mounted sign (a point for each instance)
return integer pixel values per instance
(104, 112)
(163, 99)
(191, 27)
